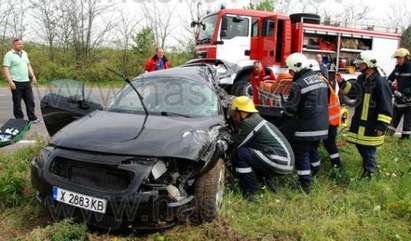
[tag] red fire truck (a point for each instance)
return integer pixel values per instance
(242, 36)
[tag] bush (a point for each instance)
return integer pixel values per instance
(65, 230)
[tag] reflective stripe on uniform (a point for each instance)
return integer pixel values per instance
(311, 133)
(402, 105)
(384, 118)
(316, 164)
(244, 170)
(347, 87)
(364, 140)
(271, 163)
(313, 87)
(365, 106)
(392, 128)
(405, 74)
(406, 132)
(282, 144)
(303, 172)
(334, 105)
(335, 155)
(258, 127)
(333, 117)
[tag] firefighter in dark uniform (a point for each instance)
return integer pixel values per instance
(373, 114)
(401, 83)
(261, 150)
(307, 105)
(334, 116)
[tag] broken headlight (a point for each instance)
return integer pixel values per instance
(44, 155)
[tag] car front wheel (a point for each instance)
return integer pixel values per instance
(209, 192)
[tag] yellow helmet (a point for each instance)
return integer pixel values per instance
(243, 103)
(401, 52)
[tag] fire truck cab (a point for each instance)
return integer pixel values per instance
(242, 36)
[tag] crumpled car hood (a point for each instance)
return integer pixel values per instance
(163, 136)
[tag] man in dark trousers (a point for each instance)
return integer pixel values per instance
(307, 105)
(261, 150)
(334, 116)
(373, 114)
(16, 71)
(401, 83)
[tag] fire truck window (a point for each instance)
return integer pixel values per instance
(233, 26)
(268, 27)
(254, 28)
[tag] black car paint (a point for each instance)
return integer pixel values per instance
(109, 138)
(114, 133)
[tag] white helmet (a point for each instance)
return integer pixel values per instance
(297, 62)
(367, 57)
(314, 65)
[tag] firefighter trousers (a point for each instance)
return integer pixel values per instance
(250, 169)
(369, 157)
(330, 145)
(307, 159)
(399, 112)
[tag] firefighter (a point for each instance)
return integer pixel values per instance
(307, 105)
(258, 75)
(261, 150)
(401, 83)
(158, 62)
(334, 117)
(373, 114)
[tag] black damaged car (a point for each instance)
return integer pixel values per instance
(154, 156)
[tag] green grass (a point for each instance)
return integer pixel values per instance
(345, 208)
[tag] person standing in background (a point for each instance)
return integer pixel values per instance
(323, 67)
(17, 70)
(158, 62)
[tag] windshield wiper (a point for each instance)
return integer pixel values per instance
(168, 113)
(140, 97)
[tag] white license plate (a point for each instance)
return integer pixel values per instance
(79, 200)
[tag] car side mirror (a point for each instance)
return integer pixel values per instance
(238, 19)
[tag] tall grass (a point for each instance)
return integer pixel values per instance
(339, 208)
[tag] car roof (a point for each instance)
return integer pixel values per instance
(195, 73)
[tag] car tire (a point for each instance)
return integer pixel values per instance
(209, 192)
(242, 87)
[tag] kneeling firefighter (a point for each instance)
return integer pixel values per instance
(307, 105)
(374, 112)
(261, 149)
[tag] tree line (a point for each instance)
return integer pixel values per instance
(79, 39)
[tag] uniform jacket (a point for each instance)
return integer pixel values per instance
(403, 76)
(308, 103)
(266, 142)
(373, 113)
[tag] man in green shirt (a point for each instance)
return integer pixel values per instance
(16, 71)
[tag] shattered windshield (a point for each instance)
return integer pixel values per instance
(168, 96)
(207, 30)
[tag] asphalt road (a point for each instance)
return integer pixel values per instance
(6, 112)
